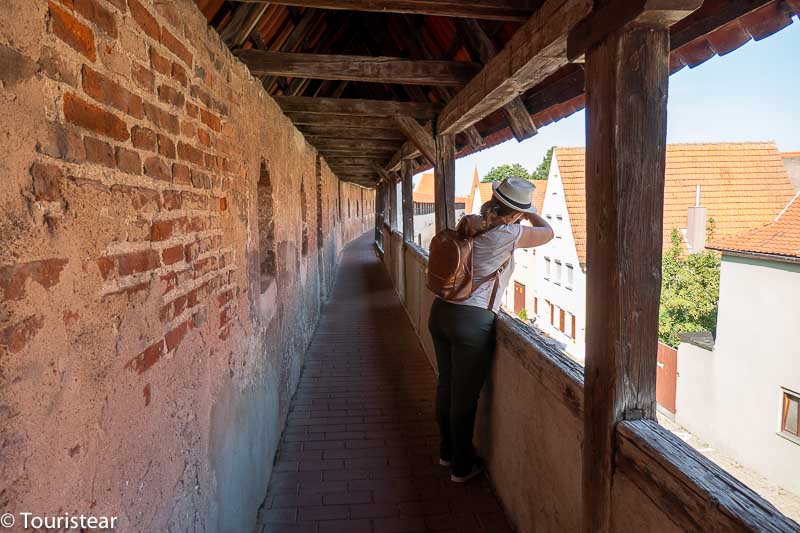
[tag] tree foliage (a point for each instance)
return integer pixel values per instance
(689, 293)
(503, 171)
(543, 170)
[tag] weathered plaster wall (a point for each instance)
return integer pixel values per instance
(146, 364)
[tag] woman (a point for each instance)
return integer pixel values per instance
(464, 332)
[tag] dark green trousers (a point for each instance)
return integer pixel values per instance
(464, 338)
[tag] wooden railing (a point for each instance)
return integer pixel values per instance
(530, 429)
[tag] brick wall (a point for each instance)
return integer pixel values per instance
(145, 369)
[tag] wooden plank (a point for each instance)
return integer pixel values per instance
(351, 144)
(732, 10)
(625, 162)
(418, 136)
(352, 161)
(611, 16)
(506, 10)
(474, 138)
(309, 20)
(241, 25)
(358, 68)
(518, 117)
(407, 151)
(407, 176)
(536, 50)
(352, 133)
(388, 177)
(342, 121)
(445, 182)
(694, 492)
(355, 107)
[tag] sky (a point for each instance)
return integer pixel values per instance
(751, 94)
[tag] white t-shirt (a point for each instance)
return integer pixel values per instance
(492, 249)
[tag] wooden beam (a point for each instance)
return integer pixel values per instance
(474, 138)
(302, 29)
(626, 132)
(445, 182)
(387, 176)
(506, 10)
(611, 16)
(407, 151)
(358, 68)
(536, 50)
(241, 25)
(341, 121)
(352, 133)
(407, 176)
(418, 135)
(355, 107)
(351, 144)
(352, 161)
(518, 117)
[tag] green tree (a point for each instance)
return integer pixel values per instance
(503, 171)
(689, 292)
(543, 170)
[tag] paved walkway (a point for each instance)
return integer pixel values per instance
(359, 451)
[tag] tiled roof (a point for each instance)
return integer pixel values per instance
(743, 185)
(780, 238)
(424, 191)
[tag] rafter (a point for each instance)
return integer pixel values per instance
(510, 10)
(355, 107)
(358, 68)
(418, 135)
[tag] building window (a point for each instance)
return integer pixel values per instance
(546, 268)
(573, 326)
(557, 277)
(562, 320)
(570, 276)
(790, 414)
(535, 305)
(552, 313)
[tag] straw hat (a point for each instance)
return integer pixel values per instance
(516, 193)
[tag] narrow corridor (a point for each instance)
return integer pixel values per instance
(359, 451)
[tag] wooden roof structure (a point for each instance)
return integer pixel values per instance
(362, 79)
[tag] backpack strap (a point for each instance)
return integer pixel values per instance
(496, 284)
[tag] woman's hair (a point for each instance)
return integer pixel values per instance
(496, 213)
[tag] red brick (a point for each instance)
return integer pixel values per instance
(46, 182)
(17, 336)
(61, 142)
(172, 255)
(155, 167)
(73, 32)
(162, 230)
(179, 74)
(137, 262)
(197, 224)
(91, 117)
(192, 110)
(108, 92)
(223, 204)
(93, 11)
(147, 394)
(160, 63)
(145, 19)
(204, 137)
(166, 147)
(174, 337)
(119, 4)
(323, 512)
(187, 128)
(99, 152)
(161, 119)
(143, 138)
(13, 279)
(189, 153)
(128, 161)
(170, 95)
(172, 200)
(149, 357)
(177, 47)
(210, 120)
(143, 77)
(181, 174)
(200, 180)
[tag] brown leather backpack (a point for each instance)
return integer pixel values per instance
(450, 270)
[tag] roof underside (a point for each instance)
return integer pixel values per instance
(454, 40)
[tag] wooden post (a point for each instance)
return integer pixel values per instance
(626, 125)
(445, 182)
(379, 192)
(408, 200)
(393, 205)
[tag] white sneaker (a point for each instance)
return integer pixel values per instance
(477, 469)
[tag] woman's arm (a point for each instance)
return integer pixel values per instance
(541, 232)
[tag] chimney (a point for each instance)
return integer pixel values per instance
(696, 226)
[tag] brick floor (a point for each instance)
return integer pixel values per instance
(359, 451)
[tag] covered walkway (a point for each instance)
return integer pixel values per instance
(359, 449)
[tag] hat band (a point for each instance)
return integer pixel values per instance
(512, 202)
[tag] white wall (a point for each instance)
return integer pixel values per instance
(731, 397)
(425, 226)
(562, 247)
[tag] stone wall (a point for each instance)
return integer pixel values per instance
(157, 292)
